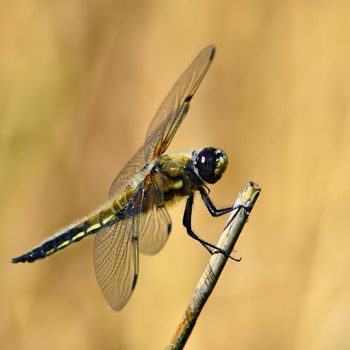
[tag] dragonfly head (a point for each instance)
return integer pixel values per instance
(211, 163)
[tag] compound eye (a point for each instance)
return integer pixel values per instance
(206, 163)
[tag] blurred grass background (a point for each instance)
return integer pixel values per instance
(79, 83)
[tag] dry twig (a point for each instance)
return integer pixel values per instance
(244, 204)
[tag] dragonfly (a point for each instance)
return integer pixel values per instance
(135, 218)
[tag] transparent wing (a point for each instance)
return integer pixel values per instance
(116, 262)
(133, 167)
(156, 231)
(166, 121)
(176, 104)
(116, 253)
(155, 223)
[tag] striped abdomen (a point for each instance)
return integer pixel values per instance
(104, 217)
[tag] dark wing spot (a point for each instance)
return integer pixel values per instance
(212, 54)
(134, 282)
(188, 98)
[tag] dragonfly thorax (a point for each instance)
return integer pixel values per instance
(210, 163)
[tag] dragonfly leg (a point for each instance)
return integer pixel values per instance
(218, 211)
(187, 218)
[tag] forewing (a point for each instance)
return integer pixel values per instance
(156, 231)
(116, 261)
(155, 223)
(166, 121)
(176, 104)
(133, 167)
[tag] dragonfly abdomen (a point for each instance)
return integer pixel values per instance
(73, 234)
(58, 242)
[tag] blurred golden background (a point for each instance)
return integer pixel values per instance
(79, 83)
